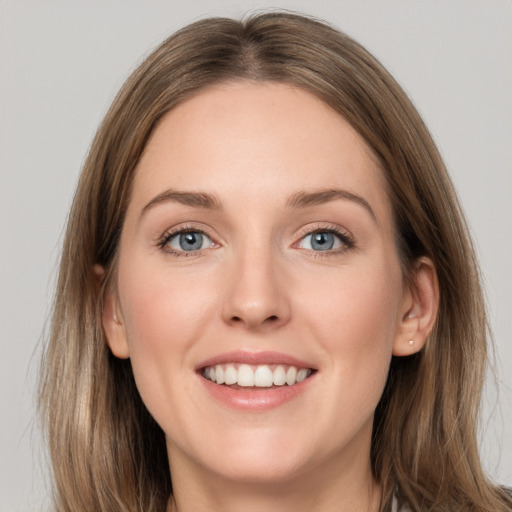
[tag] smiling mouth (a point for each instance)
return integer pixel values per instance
(255, 376)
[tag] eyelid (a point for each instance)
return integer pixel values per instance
(163, 241)
(346, 238)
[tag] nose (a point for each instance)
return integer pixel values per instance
(257, 297)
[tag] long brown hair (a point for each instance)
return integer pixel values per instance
(106, 450)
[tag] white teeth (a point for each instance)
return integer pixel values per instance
(230, 376)
(291, 376)
(302, 374)
(261, 376)
(219, 374)
(245, 376)
(279, 377)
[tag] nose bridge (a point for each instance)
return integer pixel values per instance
(257, 296)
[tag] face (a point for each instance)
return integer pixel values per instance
(259, 293)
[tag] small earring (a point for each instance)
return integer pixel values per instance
(411, 342)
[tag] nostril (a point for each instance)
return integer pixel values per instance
(269, 320)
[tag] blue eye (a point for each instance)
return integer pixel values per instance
(189, 241)
(323, 241)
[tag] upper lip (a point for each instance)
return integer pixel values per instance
(254, 358)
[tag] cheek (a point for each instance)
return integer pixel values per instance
(356, 323)
(164, 315)
(161, 309)
(359, 308)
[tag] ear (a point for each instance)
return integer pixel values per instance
(112, 320)
(419, 310)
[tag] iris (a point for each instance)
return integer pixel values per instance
(322, 241)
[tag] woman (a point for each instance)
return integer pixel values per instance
(268, 297)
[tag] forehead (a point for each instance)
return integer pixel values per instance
(252, 138)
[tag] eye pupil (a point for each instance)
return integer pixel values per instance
(191, 241)
(322, 241)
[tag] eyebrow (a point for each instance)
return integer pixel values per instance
(193, 199)
(301, 199)
(304, 199)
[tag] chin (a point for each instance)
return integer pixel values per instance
(262, 459)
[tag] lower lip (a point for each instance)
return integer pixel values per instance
(255, 399)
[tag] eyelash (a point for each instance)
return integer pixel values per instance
(346, 239)
(167, 237)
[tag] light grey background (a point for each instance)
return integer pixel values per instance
(62, 62)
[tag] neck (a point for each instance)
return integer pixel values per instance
(331, 489)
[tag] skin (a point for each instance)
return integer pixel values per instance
(258, 285)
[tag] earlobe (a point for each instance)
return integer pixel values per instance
(419, 310)
(113, 324)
